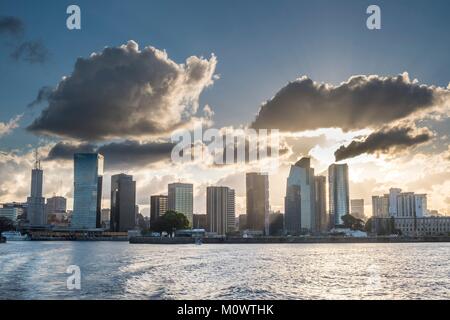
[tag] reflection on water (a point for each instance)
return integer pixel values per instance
(118, 270)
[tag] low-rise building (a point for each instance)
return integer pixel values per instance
(413, 227)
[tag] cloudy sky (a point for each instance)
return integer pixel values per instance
(336, 91)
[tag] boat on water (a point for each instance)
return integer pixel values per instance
(15, 236)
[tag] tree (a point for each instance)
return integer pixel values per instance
(170, 222)
(6, 224)
(353, 223)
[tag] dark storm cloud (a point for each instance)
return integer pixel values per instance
(11, 25)
(30, 51)
(361, 102)
(127, 154)
(387, 140)
(125, 92)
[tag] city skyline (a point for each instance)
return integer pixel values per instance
(398, 126)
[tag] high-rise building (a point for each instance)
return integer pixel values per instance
(339, 199)
(421, 205)
(380, 206)
(257, 185)
(158, 206)
(181, 199)
(220, 210)
(300, 200)
(357, 208)
(56, 204)
(393, 194)
(406, 205)
(321, 204)
(88, 179)
(36, 202)
(123, 203)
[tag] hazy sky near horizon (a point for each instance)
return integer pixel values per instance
(231, 56)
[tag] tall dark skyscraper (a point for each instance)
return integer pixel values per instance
(257, 185)
(338, 192)
(220, 209)
(36, 203)
(322, 222)
(159, 204)
(88, 172)
(300, 198)
(123, 203)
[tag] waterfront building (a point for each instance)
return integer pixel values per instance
(357, 208)
(88, 179)
(321, 203)
(393, 207)
(56, 204)
(220, 210)
(10, 213)
(338, 184)
(380, 206)
(413, 226)
(181, 199)
(300, 200)
(158, 206)
(200, 221)
(257, 190)
(36, 202)
(123, 203)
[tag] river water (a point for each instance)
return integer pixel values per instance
(119, 270)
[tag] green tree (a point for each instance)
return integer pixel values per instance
(353, 223)
(6, 224)
(170, 221)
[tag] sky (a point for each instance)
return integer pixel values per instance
(311, 69)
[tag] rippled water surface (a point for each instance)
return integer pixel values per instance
(118, 270)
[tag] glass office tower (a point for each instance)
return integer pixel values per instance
(88, 171)
(300, 201)
(339, 192)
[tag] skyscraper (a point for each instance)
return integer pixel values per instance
(357, 208)
(123, 203)
(181, 199)
(300, 200)
(339, 199)
(36, 203)
(88, 171)
(220, 209)
(158, 206)
(257, 185)
(321, 204)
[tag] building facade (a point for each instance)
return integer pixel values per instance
(181, 199)
(357, 208)
(380, 206)
(88, 179)
(413, 226)
(159, 204)
(36, 202)
(220, 210)
(300, 200)
(339, 199)
(10, 213)
(322, 220)
(123, 203)
(257, 190)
